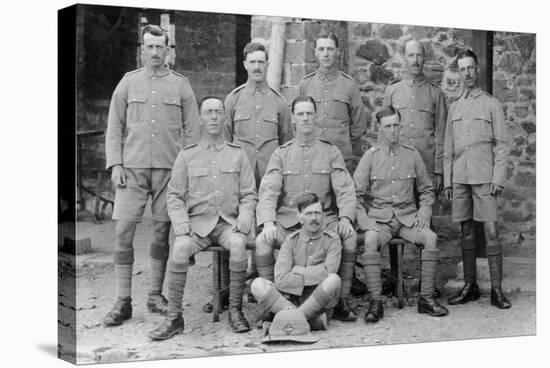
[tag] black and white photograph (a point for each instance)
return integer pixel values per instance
(238, 182)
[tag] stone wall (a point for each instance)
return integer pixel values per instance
(373, 56)
(206, 48)
(514, 84)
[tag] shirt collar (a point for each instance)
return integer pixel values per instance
(302, 143)
(306, 236)
(329, 75)
(418, 80)
(162, 71)
(387, 149)
(476, 92)
(252, 87)
(208, 145)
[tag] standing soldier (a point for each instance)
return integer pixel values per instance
(423, 111)
(312, 165)
(394, 174)
(149, 110)
(341, 117)
(211, 199)
(257, 116)
(476, 155)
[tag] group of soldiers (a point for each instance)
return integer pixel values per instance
(254, 168)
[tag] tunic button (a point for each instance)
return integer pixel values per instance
(257, 107)
(153, 92)
(214, 176)
(153, 106)
(152, 77)
(257, 121)
(412, 110)
(257, 151)
(392, 167)
(412, 125)
(305, 176)
(152, 135)
(393, 181)
(153, 121)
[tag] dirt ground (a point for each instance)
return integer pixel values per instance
(202, 337)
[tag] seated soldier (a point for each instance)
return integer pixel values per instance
(393, 173)
(312, 165)
(211, 200)
(305, 271)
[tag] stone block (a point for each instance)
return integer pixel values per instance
(531, 150)
(530, 128)
(295, 31)
(526, 179)
(77, 245)
(312, 31)
(521, 111)
(511, 63)
(362, 29)
(526, 44)
(379, 74)
(297, 72)
(390, 31)
(310, 53)
(373, 51)
(528, 94)
(421, 32)
(295, 52)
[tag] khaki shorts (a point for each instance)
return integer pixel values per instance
(140, 184)
(221, 235)
(473, 201)
(388, 230)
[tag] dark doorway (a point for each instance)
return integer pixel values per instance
(242, 37)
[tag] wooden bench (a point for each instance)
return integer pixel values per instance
(396, 247)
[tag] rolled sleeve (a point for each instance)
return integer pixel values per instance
(343, 187)
(177, 193)
(116, 123)
(440, 121)
(286, 279)
(270, 189)
(501, 148)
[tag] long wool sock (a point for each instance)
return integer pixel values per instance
(123, 280)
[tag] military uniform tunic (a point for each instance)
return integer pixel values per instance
(151, 118)
(423, 111)
(341, 116)
(298, 167)
(257, 119)
(208, 182)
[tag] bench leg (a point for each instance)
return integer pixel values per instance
(216, 303)
(396, 265)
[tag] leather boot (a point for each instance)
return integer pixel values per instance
(120, 312)
(157, 304)
(236, 289)
(468, 293)
(344, 311)
(168, 328)
(495, 268)
(470, 290)
(427, 304)
(375, 312)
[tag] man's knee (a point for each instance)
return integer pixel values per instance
(182, 249)
(350, 243)
(372, 241)
(468, 230)
(259, 287)
(161, 231)
(237, 247)
(262, 247)
(428, 239)
(124, 232)
(332, 283)
(491, 231)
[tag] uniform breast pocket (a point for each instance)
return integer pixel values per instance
(229, 175)
(458, 125)
(136, 108)
(198, 179)
(242, 127)
(426, 108)
(482, 126)
(172, 106)
(292, 178)
(406, 182)
(270, 125)
(320, 178)
(339, 106)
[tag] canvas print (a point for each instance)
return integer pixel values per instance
(241, 184)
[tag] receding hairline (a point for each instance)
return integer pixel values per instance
(415, 41)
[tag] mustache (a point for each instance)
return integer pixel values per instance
(314, 222)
